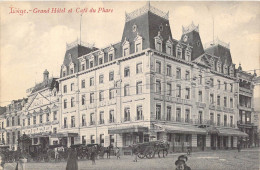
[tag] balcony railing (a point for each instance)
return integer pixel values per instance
(141, 117)
(92, 123)
(126, 119)
(101, 122)
(111, 121)
(200, 104)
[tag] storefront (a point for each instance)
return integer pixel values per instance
(66, 139)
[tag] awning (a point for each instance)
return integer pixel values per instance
(65, 134)
(212, 130)
(187, 129)
(231, 132)
(127, 129)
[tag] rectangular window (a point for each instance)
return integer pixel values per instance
(178, 90)
(111, 116)
(159, 46)
(187, 115)
(29, 121)
(225, 120)
(231, 121)
(13, 137)
(83, 84)
(13, 121)
(23, 122)
(187, 75)
(211, 118)
(200, 117)
(8, 137)
(126, 90)
(65, 103)
(169, 70)
(218, 84)
(211, 99)
(139, 111)
(225, 85)
(218, 119)
(126, 51)
(92, 140)
(231, 87)
(178, 73)
(139, 87)
(18, 120)
(211, 80)
(225, 101)
(101, 117)
(169, 89)
(92, 122)
(200, 96)
(91, 97)
(139, 68)
(100, 60)
(127, 72)
(138, 47)
(101, 137)
(91, 64)
(231, 102)
(65, 89)
(101, 95)
(47, 117)
(65, 122)
(200, 79)
(64, 73)
(169, 49)
(72, 121)
(71, 71)
(71, 86)
(111, 93)
(40, 118)
(169, 112)
(158, 86)
(83, 99)
(127, 114)
(187, 93)
(84, 140)
(91, 81)
(34, 120)
(110, 57)
(158, 112)
(82, 67)
(55, 115)
(72, 102)
(83, 121)
(111, 76)
(158, 67)
(101, 79)
(178, 114)
(218, 100)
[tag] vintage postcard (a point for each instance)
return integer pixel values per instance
(129, 85)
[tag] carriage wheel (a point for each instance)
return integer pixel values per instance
(150, 154)
(141, 155)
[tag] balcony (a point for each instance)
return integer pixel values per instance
(111, 121)
(101, 121)
(141, 117)
(240, 122)
(84, 124)
(242, 107)
(212, 106)
(245, 90)
(127, 119)
(92, 123)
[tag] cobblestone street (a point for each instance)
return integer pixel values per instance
(246, 159)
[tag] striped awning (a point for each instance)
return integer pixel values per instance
(231, 132)
(127, 129)
(187, 129)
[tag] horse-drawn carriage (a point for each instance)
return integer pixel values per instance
(149, 149)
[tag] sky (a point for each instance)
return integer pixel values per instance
(32, 42)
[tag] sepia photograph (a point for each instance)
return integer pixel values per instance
(129, 85)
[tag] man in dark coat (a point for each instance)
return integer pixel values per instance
(72, 163)
(181, 163)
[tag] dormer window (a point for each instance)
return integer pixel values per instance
(212, 62)
(64, 70)
(158, 42)
(111, 52)
(138, 43)
(169, 46)
(91, 64)
(82, 66)
(100, 60)
(225, 69)
(188, 54)
(219, 67)
(63, 73)
(179, 51)
(231, 70)
(126, 47)
(71, 68)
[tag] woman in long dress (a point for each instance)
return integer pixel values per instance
(72, 163)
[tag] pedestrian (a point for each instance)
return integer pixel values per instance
(56, 154)
(238, 146)
(72, 163)
(181, 163)
(117, 153)
(135, 152)
(93, 156)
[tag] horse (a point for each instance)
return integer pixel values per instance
(162, 146)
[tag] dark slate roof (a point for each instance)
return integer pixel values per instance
(193, 39)
(2, 110)
(50, 83)
(147, 27)
(222, 52)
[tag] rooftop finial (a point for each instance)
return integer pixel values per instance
(190, 28)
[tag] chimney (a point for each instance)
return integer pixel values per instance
(45, 75)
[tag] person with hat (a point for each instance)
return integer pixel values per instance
(181, 163)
